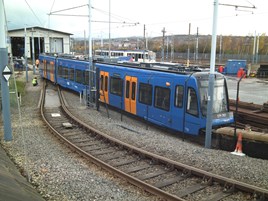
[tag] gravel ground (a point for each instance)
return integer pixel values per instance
(246, 169)
(56, 172)
(59, 174)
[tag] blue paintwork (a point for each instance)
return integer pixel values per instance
(68, 63)
(175, 118)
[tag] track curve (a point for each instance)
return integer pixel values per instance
(158, 175)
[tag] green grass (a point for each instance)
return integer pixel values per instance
(20, 89)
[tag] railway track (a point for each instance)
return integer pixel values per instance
(160, 176)
(255, 116)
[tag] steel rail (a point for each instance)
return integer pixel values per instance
(195, 171)
(129, 178)
(226, 182)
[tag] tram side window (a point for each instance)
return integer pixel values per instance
(86, 81)
(71, 74)
(48, 68)
(79, 76)
(44, 66)
(52, 67)
(65, 73)
(106, 83)
(101, 82)
(145, 93)
(178, 96)
(133, 91)
(192, 106)
(116, 86)
(60, 71)
(162, 98)
(127, 88)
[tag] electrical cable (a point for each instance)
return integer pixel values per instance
(33, 13)
(52, 6)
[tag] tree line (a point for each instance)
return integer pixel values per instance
(240, 45)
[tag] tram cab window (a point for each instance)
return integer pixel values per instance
(145, 93)
(116, 86)
(179, 96)
(162, 98)
(220, 104)
(192, 106)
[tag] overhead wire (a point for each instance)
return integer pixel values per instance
(52, 6)
(68, 9)
(121, 20)
(113, 15)
(33, 13)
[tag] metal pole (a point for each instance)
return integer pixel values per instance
(26, 53)
(144, 41)
(39, 44)
(91, 71)
(109, 28)
(85, 43)
(257, 48)
(188, 50)
(172, 49)
(196, 47)
(220, 56)
(254, 49)
(211, 76)
(163, 45)
(167, 49)
(4, 82)
(33, 56)
(236, 102)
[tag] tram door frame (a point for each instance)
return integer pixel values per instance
(45, 68)
(131, 94)
(104, 86)
(52, 71)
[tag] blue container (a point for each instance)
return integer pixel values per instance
(232, 66)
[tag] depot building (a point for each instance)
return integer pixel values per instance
(38, 40)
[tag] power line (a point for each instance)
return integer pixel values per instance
(67, 9)
(237, 6)
(52, 6)
(73, 15)
(113, 15)
(34, 13)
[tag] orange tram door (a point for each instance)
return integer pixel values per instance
(130, 94)
(104, 97)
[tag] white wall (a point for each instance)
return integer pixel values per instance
(48, 35)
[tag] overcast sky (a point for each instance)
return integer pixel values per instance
(174, 15)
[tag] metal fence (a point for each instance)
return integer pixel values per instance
(205, 57)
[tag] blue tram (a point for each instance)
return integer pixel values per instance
(68, 73)
(172, 99)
